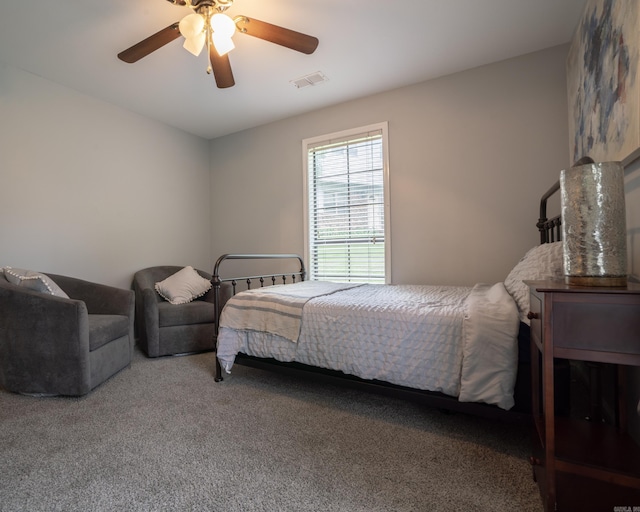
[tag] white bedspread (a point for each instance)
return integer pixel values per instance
(410, 335)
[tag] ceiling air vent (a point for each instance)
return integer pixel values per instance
(312, 79)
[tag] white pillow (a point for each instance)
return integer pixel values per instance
(183, 286)
(33, 281)
(543, 262)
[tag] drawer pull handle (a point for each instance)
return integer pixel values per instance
(532, 316)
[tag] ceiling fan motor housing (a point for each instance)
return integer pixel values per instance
(198, 4)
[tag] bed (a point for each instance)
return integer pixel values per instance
(456, 347)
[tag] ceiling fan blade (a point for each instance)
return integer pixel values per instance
(150, 44)
(221, 69)
(273, 33)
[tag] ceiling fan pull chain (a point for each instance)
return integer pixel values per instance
(207, 17)
(209, 68)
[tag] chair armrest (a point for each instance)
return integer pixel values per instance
(143, 280)
(100, 299)
(147, 318)
(38, 313)
(149, 309)
(43, 339)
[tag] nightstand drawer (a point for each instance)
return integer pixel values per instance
(604, 327)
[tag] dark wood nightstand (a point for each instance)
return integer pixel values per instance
(581, 465)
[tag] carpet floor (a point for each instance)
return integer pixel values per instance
(163, 436)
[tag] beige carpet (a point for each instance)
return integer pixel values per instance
(163, 436)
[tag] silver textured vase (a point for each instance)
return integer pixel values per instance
(594, 224)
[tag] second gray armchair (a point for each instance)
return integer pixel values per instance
(164, 328)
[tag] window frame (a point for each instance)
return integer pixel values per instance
(352, 133)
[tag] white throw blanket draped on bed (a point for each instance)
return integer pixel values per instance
(436, 338)
(276, 309)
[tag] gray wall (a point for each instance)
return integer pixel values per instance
(470, 156)
(93, 191)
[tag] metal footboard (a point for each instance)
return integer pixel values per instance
(267, 279)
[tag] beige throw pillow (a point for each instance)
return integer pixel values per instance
(183, 286)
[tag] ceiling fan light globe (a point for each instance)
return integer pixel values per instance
(222, 43)
(223, 25)
(192, 25)
(195, 44)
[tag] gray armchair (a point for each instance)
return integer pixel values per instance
(63, 346)
(168, 329)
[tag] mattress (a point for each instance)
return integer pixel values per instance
(460, 341)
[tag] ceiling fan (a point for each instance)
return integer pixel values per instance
(208, 25)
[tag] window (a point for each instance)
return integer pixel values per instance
(346, 206)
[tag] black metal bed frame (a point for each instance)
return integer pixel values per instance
(550, 231)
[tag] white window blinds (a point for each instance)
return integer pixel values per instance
(346, 208)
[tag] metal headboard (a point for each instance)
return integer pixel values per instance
(550, 229)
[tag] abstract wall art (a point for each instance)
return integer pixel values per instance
(602, 82)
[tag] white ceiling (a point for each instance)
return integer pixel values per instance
(366, 46)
